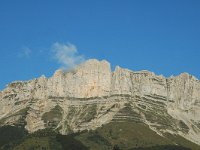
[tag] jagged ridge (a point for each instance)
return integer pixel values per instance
(92, 95)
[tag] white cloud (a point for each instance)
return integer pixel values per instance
(25, 52)
(67, 55)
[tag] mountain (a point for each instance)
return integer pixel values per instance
(120, 107)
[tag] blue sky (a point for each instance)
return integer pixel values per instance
(39, 36)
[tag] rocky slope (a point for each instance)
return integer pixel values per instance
(92, 95)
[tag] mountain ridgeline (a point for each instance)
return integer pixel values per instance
(101, 109)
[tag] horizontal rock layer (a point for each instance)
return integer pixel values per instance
(91, 95)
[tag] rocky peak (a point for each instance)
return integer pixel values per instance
(91, 95)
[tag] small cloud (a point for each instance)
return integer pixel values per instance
(25, 52)
(67, 55)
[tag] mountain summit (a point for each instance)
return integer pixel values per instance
(91, 95)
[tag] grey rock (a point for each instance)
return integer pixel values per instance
(91, 95)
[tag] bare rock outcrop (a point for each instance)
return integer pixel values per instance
(92, 95)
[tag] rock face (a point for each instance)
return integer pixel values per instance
(92, 95)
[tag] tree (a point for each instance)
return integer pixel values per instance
(116, 147)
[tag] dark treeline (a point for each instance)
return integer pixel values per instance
(13, 137)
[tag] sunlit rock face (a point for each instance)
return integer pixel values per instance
(91, 95)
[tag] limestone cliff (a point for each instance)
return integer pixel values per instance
(92, 95)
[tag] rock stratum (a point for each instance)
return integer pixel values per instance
(91, 95)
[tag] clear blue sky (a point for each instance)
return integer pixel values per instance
(162, 36)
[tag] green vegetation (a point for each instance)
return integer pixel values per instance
(15, 138)
(22, 113)
(86, 113)
(71, 112)
(182, 141)
(53, 117)
(91, 112)
(36, 143)
(10, 136)
(162, 147)
(112, 136)
(128, 134)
